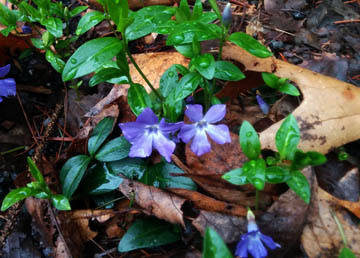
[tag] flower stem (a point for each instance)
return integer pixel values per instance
(256, 199)
(340, 227)
(207, 95)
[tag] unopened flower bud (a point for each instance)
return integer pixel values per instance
(227, 15)
(263, 105)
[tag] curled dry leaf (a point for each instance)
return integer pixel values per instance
(163, 205)
(321, 236)
(329, 114)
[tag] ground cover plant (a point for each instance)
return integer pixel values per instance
(172, 153)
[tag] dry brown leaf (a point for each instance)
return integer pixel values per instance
(164, 205)
(329, 114)
(204, 202)
(321, 237)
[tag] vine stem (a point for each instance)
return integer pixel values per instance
(256, 199)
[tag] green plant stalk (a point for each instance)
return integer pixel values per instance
(207, 95)
(341, 229)
(161, 98)
(256, 199)
(12, 150)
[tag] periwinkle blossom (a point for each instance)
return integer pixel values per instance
(147, 133)
(227, 15)
(263, 105)
(252, 241)
(203, 126)
(7, 85)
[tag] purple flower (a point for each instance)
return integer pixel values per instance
(203, 124)
(26, 29)
(227, 15)
(252, 241)
(262, 104)
(147, 133)
(7, 85)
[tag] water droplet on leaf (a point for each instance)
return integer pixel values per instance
(248, 134)
(171, 74)
(178, 39)
(73, 61)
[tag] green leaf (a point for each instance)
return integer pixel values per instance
(54, 26)
(197, 10)
(16, 195)
(60, 202)
(168, 81)
(90, 56)
(205, 65)
(214, 246)
(236, 177)
(287, 138)
(255, 172)
(227, 71)
(250, 44)
(31, 13)
(289, 89)
(72, 173)
(47, 39)
(146, 233)
(215, 8)
(100, 179)
(173, 110)
(276, 175)
(147, 20)
(185, 87)
(114, 150)
(346, 253)
(183, 12)
(249, 141)
(7, 17)
(35, 172)
(7, 31)
(299, 184)
(88, 21)
(160, 175)
(316, 158)
(270, 79)
(119, 11)
(77, 10)
(302, 159)
(185, 49)
(107, 74)
(99, 134)
(55, 61)
(129, 167)
(186, 31)
(138, 98)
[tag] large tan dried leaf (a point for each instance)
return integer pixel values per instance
(321, 236)
(329, 115)
(155, 201)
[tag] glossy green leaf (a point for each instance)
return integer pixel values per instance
(214, 246)
(114, 150)
(132, 168)
(47, 39)
(90, 56)
(299, 184)
(31, 13)
(146, 233)
(54, 26)
(35, 172)
(168, 81)
(255, 171)
(183, 12)
(107, 74)
(249, 141)
(7, 30)
(277, 175)
(119, 11)
(227, 71)
(7, 17)
(43, 4)
(185, 87)
(346, 253)
(99, 134)
(138, 98)
(77, 10)
(197, 10)
(88, 21)
(270, 79)
(316, 158)
(160, 175)
(182, 69)
(185, 32)
(205, 65)
(289, 89)
(99, 179)
(72, 172)
(185, 49)
(250, 44)
(16, 195)
(304, 159)
(215, 8)
(55, 61)
(236, 177)
(287, 138)
(147, 20)
(60, 202)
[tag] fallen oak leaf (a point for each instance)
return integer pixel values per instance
(329, 114)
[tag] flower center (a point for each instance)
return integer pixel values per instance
(202, 124)
(152, 129)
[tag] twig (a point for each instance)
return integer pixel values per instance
(347, 21)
